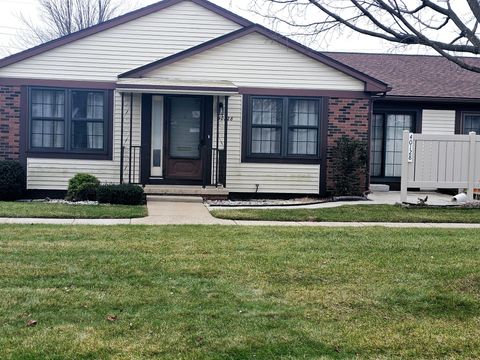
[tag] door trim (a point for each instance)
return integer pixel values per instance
(416, 128)
(207, 115)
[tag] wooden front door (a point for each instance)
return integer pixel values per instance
(186, 138)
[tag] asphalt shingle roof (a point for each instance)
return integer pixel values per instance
(416, 75)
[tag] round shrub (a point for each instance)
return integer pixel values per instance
(123, 194)
(82, 187)
(12, 180)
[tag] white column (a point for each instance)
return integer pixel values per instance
(404, 183)
(471, 165)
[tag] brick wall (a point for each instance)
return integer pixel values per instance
(9, 122)
(345, 117)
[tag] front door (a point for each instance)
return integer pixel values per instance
(186, 138)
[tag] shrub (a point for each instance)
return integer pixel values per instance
(82, 187)
(12, 180)
(350, 157)
(124, 194)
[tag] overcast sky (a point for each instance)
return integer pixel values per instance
(10, 26)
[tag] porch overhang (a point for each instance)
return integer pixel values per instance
(176, 86)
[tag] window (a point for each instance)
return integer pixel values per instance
(471, 122)
(267, 117)
(387, 143)
(88, 115)
(67, 120)
(283, 128)
(376, 157)
(303, 127)
(48, 119)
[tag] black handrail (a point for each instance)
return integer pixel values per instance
(134, 150)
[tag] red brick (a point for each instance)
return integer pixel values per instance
(9, 122)
(346, 117)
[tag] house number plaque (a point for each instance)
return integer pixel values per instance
(410, 147)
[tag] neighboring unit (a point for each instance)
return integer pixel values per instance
(430, 95)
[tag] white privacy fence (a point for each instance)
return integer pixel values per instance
(441, 162)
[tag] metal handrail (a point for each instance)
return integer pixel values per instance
(133, 150)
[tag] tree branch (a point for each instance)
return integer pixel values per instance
(425, 23)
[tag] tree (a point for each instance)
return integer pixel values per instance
(63, 17)
(450, 27)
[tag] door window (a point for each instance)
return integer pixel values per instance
(387, 142)
(471, 123)
(157, 137)
(185, 127)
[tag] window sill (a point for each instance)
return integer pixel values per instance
(273, 160)
(68, 155)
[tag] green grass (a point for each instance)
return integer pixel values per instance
(193, 292)
(45, 210)
(361, 213)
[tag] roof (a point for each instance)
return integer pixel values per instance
(147, 10)
(417, 75)
(371, 83)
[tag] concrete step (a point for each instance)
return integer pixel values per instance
(379, 188)
(178, 190)
(175, 199)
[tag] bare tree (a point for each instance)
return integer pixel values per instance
(450, 27)
(63, 17)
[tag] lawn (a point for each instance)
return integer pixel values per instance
(46, 210)
(200, 292)
(361, 213)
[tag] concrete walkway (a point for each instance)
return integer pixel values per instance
(178, 211)
(192, 211)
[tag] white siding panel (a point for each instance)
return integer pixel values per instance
(440, 122)
(53, 174)
(271, 178)
(255, 60)
(103, 56)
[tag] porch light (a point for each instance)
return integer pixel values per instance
(220, 109)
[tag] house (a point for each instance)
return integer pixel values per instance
(184, 92)
(429, 95)
(181, 92)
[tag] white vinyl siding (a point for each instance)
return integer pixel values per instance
(53, 174)
(105, 55)
(440, 122)
(251, 61)
(254, 60)
(102, 57)
(270, 178)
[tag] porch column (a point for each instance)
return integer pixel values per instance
(121, 139)
(130, 141)
(225, 142)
